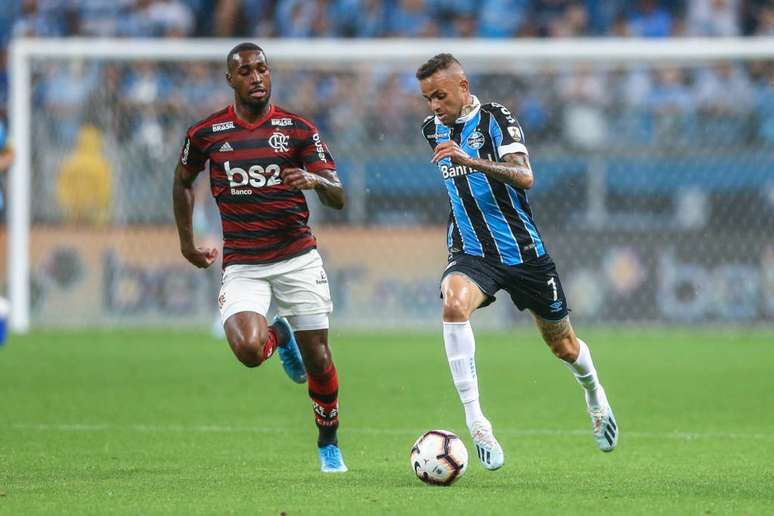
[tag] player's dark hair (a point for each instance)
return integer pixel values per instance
(434, 64)
(241, 48)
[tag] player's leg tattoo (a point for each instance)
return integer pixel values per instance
(560, 337)
(323, 383)
(250, 338)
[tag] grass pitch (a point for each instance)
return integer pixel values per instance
(169, 423)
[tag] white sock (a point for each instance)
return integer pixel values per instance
(460, 351)
(586, 374)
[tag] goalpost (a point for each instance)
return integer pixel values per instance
(614, 178)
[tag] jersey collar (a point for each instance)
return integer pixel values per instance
(246, 124)
(467, 117)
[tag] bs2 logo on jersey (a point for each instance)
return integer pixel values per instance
(254, 177)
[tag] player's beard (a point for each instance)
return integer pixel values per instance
(255, 105)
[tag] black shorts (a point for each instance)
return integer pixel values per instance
(533, 285)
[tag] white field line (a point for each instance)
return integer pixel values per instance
(226, 429)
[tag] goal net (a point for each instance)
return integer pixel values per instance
(654, 166)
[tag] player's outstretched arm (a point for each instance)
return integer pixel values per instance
(183, 202)
(325, 182)
(514, 170)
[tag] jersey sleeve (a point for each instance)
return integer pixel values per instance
(508, 134)
(428, 131)
(315, 155)
(191, 155)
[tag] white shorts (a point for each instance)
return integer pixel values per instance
(299, 286)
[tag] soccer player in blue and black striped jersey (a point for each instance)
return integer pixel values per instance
(494, 244)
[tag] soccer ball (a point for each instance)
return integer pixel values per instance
(439, 457)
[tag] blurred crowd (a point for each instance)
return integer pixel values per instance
(581, 106)
(385, 18)
(391, 18)
(139, 110)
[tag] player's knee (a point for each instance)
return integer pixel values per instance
(564, 347)
(564, 353)
(248, 348)
(455, 310)
(248, 355)
(250, 359)
(317, 360)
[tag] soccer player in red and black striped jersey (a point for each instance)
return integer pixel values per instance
(261, 158)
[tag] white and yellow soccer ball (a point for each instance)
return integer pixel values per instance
(439, 458)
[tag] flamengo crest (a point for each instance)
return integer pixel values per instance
(279, 142)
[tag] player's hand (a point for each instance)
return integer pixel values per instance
(299, 179)
(201, 257)
(450, 149)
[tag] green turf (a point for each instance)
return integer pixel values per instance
(153, 422)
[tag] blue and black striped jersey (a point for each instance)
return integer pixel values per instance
(488, 218)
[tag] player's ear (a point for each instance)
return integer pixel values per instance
(465, 86)
(228, 79)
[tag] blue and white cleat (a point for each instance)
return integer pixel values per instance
(288, 351)
(331, 460)
(490, 453)
(604, 426)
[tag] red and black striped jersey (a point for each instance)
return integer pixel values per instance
(264, 221)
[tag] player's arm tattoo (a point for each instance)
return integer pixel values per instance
(329, 189)
(183, 202)
(514, 170)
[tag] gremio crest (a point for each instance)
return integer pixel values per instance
(475, 140)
